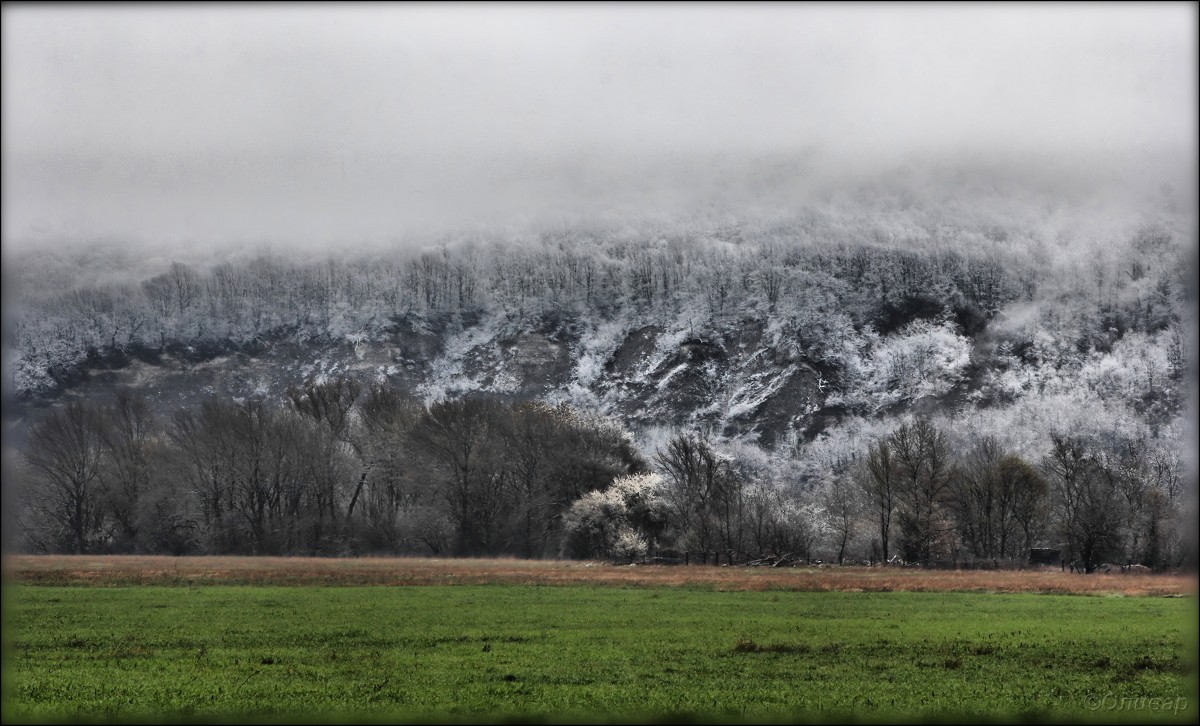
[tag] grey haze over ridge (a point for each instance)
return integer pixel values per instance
(341, 123)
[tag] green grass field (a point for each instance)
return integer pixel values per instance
(473, 652)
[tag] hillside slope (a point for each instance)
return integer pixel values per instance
(767, 331)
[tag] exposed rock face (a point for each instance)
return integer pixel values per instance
(538, 363)
(728, 382)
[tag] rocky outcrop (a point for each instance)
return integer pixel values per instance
(725, 381)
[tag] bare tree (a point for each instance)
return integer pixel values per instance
(125, 429)
(459, 440)
(978, 500)
(996, 497)
(65, 449)
(842, 502)
(704, 492)
(1028, 492)
(388, 417)
(257, 473)
(329, 404)
(879, 478)
(530, 439)
(1086, 501)
(923, 456)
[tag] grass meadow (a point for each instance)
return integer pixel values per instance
(504, 647)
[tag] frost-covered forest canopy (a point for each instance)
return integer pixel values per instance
(839, 283)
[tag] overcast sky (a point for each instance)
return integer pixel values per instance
(223, 122)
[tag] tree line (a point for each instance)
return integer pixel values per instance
(1091, 503)
(339, 468)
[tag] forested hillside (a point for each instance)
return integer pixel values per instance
(736, 384)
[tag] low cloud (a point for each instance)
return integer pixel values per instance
(332, 124)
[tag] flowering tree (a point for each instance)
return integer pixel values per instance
(622, 521)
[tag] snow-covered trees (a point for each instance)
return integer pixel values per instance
(824, 283)
(926, 358)
(822, 333)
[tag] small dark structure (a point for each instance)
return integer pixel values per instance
(1045, 556)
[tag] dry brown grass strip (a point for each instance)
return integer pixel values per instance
(163, 570)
